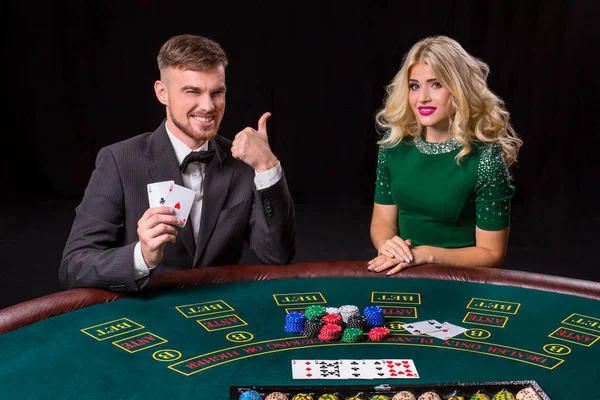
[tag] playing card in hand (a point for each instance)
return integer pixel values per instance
(181, 199)
(158, 192)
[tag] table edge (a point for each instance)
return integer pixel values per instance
(35, 310)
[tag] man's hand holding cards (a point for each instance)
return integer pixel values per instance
(169, 194)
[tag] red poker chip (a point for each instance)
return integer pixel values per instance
(378, 333)
(330, 332)
(331, 329)
(380, 329)
(333, 319)
(325, 336)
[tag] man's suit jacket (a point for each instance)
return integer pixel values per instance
(99, 250)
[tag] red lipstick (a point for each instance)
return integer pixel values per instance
(425, 110)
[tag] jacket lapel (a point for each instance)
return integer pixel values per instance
(216, 186)
(165, 168)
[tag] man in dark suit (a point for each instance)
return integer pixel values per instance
(117, 241)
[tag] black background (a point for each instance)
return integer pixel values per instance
(80, 76)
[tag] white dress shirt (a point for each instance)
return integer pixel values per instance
(193, 178)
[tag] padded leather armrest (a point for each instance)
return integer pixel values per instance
(35, 310)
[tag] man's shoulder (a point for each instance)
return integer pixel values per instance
(135, 142)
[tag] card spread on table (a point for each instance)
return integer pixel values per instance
(167, 193)
(354, 369)
(431, 327)
(422, 327)
(316, 369)
(447, 331)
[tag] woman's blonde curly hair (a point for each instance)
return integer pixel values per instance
(479, 115)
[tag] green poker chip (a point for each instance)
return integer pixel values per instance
(352, 335)
(313, 312)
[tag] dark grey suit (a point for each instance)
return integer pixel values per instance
(99, 250)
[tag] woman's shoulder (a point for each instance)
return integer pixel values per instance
(485, 149)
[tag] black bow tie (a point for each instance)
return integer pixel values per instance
(204, 156)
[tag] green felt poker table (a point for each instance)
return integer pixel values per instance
(212, 332)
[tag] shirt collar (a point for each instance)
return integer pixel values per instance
(181, 149)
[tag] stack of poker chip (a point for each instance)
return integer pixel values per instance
(352, 335)
(378, 333)
(294, 322)
(374, 316)
(330, 332)
(302, 396)
(313, 312)
(250, 395)
(332, 310)
(357, 321)
(276, 396)
(312, 327)
(314, 322)
(347, 311)
(332, 319)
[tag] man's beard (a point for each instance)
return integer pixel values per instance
(205, 135)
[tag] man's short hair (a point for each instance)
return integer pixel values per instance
(192, 52)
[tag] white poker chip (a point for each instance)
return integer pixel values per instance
(332, 310)
(347, 311)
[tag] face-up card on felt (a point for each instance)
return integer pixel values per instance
(304, 369)
(400, 369)
(447, 331)
(354, 369)
(181, 199)
(158, 192)
(329, 369)
(422, 327)
(376, 368)
(315, 369)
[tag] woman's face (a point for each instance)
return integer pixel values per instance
(429, 100)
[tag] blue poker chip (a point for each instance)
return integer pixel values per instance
(294, 322)
(293, 328)
(372, 311)
(375, 321)
(295, 316)
(250, 395)
(374, 316)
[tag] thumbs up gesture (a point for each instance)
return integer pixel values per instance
(252, 146)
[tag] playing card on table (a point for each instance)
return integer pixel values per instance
(447, 331)
(315, 369)
(355, 369)
(181, 199)
(393, 368)
(422, 327)
(158, 192)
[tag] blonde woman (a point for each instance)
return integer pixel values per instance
(443, 189)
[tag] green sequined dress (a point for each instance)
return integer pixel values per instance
(439, 202)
